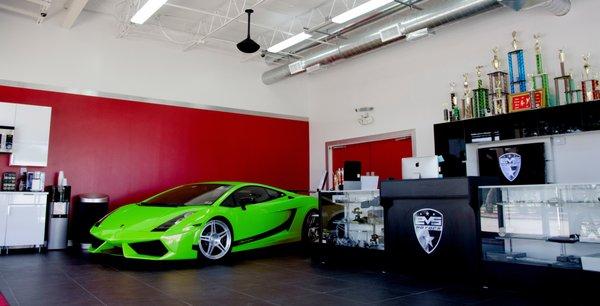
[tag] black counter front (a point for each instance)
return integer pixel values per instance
(432, 225)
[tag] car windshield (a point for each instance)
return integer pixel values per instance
(189, 195)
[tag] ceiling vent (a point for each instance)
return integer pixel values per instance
(390, 33)
(296, 67)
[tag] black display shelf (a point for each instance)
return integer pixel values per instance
(451, 137)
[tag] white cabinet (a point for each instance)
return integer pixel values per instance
(3, 214)
(22, 219)
(7, 114)
(32, 135)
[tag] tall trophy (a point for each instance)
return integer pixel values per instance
(467, 100)
(516, 67)
(455, 110)
(519, 98)
(564, 85)
(589, 86)
(498, 87)
(539, 81)
(481, 105)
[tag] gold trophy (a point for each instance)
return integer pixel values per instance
(481, 105)
(467, 100)
(455, 110)
(589, 85)
(498, 90)
(539, 81)
(564, 85)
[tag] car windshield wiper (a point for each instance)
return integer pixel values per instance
(161, 204)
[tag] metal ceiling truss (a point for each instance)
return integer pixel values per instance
(209, 23)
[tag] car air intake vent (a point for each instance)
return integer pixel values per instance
(96, 242)
(149, 248)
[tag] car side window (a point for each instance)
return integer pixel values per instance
(255, 193)
(274, 194)
(229, 202)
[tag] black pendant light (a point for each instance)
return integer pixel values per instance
(248, 45)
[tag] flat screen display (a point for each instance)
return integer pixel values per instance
(514, 164)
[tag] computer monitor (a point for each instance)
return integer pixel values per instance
(420, 167)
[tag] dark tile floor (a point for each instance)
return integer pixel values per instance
(269, 278)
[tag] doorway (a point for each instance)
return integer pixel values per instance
(381, 154)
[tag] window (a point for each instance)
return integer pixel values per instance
(254, 193)
(258, 194)
(187, 195)
(274, 194)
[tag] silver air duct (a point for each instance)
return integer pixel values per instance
(370, 36)
(381, 32)
(556, 7)
(329, 30)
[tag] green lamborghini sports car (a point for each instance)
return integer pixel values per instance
(206, 221)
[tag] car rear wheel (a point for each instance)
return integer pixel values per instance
(215, 240)
(310, 228)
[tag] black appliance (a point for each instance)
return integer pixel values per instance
(352, 170)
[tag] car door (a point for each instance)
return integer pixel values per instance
(258, 213)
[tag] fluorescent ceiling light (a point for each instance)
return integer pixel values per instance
(360, 10)
(289, 42)
(147, 11)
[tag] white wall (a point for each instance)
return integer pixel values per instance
(90, 57)
(407, 83)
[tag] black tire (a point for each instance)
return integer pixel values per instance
(310, 228)
(215, 241)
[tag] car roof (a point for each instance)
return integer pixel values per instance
(237, 184)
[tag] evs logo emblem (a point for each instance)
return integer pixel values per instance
(429, 225)
(510, 164)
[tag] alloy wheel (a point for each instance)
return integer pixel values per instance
(215, 240)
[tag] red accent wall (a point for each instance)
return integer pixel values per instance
(384, 157)
(130, 150)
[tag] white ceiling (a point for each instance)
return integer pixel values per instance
(273, 20)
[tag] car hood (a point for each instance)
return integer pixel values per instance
(136, 217)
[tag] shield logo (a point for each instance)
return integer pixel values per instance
(510, 164)
(429, 225)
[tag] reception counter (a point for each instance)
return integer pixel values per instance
(432, 225)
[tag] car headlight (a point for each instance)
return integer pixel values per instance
(167, 225)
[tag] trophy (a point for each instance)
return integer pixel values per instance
(589, 86)
(539, 81)
(455, 110)
(467, 100)
(498, 87)
(521, 99)
(516, 67)
(564, 85)
(481, 105)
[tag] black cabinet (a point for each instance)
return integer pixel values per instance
(451, 137)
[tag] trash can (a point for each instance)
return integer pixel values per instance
(90, 208)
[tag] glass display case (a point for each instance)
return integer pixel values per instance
(352, 218)
(549, 225)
